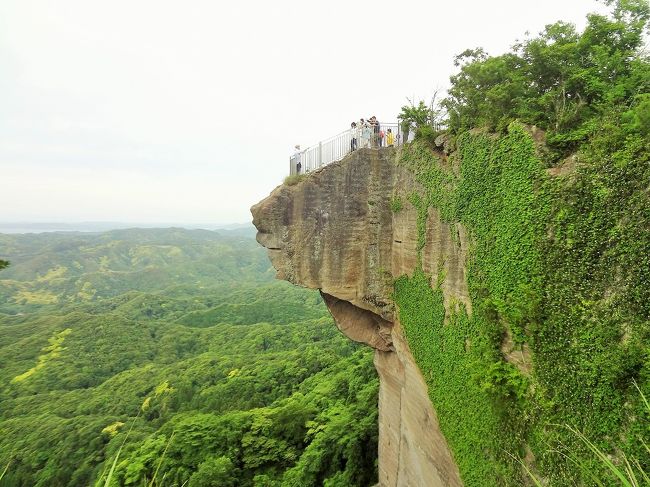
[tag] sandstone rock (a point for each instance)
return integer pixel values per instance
(566, 167)
(359, 324)
(412, 450)
(332, 231)
(335, 231)
(445, 251)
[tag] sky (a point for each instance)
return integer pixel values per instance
(163, 111)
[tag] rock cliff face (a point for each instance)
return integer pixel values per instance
(335, 231)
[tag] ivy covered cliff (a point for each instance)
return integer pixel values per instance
(507, 259)
(558, 331)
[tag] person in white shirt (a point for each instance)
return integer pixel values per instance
(366, 132)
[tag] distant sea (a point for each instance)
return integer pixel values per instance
(36, 227)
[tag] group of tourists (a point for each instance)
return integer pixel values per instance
(368, 133)
(364, 134)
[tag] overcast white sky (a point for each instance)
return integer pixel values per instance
(168, 111)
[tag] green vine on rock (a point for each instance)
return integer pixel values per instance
(475, 391)
(560, 266)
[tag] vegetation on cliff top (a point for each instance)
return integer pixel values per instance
(559, 261)
(562, 81)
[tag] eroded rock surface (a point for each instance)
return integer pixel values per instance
(335, 231)
(332, 231)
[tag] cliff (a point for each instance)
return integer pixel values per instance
(335, 231)
(474, 273)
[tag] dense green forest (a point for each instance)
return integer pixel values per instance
(546, 164)
(174, 357)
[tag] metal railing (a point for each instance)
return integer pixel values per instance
(337, 147)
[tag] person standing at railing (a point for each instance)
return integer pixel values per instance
(412, 130)
(390, 138)
(354, 134)
(366, 133)
(297, 156)
(377, 130)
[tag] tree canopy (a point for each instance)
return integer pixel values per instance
(561, 81)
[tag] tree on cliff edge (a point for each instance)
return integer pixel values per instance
(561, 80)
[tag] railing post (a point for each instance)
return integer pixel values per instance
(320, 154)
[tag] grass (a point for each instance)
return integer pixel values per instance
(107, 483)
(109, 477)
(294, 179)
(629, 474)
(5, 470)
(396, 204)
(153, 480)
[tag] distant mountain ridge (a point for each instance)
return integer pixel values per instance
(100, 226)
(58, 268)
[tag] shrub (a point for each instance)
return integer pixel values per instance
(294, 179)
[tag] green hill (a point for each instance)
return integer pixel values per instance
(180, 345)
(61, 268)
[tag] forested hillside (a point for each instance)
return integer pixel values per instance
(61, 268)
(174, 357)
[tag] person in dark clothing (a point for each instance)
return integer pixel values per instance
(376, 139)
(378, 133)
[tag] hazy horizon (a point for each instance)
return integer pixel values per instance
(23, 227)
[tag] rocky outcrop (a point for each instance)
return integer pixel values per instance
(332, 231)
(335, 231)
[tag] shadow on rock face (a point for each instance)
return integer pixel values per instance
(359, 324)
